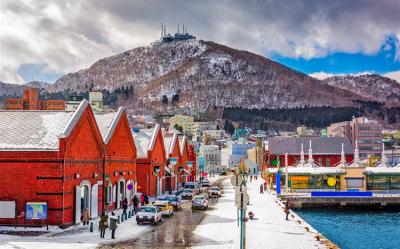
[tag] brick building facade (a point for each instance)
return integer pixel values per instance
(30, 101)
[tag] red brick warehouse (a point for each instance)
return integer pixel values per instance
(52, 156)
(151, 160)
(173, 153)
(186, 161)
(119, 158)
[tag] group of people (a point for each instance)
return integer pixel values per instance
(111, 221)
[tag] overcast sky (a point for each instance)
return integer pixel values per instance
(42, 40)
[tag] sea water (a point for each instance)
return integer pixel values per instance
(356, 229)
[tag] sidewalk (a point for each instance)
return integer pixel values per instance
(270, 229)
(77, 236)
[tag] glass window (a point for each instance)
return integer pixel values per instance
(354, 182)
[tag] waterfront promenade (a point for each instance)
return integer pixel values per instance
(268, 230)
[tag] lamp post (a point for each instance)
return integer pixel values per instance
(243, 172)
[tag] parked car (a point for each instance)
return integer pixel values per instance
(214, 192)
(165, 208)
(199, 202)
(148, 214)
(187, 194)
(175, 201)
(205, 184)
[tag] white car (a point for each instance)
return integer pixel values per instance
(187, 194)
(148, 214)
(214, 192)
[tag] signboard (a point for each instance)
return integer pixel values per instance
(324, 133)
(173, 161)
(7, 209)
(237, 189)
(189, 164)
(245, 199)
(201, 163)
(36, 210)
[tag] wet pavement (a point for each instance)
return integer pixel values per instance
(173, 232)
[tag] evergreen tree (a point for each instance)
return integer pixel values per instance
(164, 99)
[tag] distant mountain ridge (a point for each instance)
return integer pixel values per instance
(206, 74)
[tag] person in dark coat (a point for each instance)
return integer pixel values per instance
(146, 199)
(103, 224)
(113, 224)
(142, 200)
(125, 205)
(287, 208)
(135, 202)
(261, 189)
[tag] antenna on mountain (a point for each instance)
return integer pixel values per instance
(178, 28)
(183, 28)
(162, 30)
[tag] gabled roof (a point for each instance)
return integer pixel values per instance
(320, 145)
(183, 141)
(107, 122)
(169, 143)
(36, 130)
(145, 140)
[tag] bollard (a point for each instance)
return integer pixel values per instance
(99, 225)
(126, 216)
(91, 227)
(122, 218)
(129, 214)
(119, 219)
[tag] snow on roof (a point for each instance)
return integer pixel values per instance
(310, 170)
(382, 170)
(182, 143)
(36, 130)
(320, 145)
(107, 122)
(169, 144)
(144, 140)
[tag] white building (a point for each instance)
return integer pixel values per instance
(212, 157)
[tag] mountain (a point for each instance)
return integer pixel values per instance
(373, 87)
(204, 74)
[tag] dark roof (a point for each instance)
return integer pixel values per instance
(319, 145)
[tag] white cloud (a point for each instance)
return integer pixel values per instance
(393, 75)
(69, 35)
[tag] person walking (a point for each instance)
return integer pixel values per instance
(85, 217)
(146, 199)
(261, 189)
(135, 201)
(142, 199)
(124, 205)
(287, 208)
(113, 224)
(103, 224)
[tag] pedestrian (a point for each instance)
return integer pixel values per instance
(135, 201)
(142, 199)
(287, 208)
(124, 205)
(146, 199)
(251, 178)
(170, 191)
(255, 177)
(113, 224)
(85, 217)
(103, 224)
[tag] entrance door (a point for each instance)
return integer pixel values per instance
(85, 197)
(95, 201)
(120, 193)
(78, 204)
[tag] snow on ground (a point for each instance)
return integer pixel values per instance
(269, 230)
(73, 237)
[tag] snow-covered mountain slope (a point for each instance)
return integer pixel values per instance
(206, 74)
(370, 86)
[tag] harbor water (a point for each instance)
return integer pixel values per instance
(356, 229)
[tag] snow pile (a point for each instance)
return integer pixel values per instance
(269, 230)
(74, 237)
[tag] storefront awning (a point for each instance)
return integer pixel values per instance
(382, 171)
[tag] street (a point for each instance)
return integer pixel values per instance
(173, 232)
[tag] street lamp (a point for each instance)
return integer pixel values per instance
(244, 174)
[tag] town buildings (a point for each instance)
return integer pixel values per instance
(212, 156)
(182, 122)
(367, 132)
(326, 151)
(30, 101)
